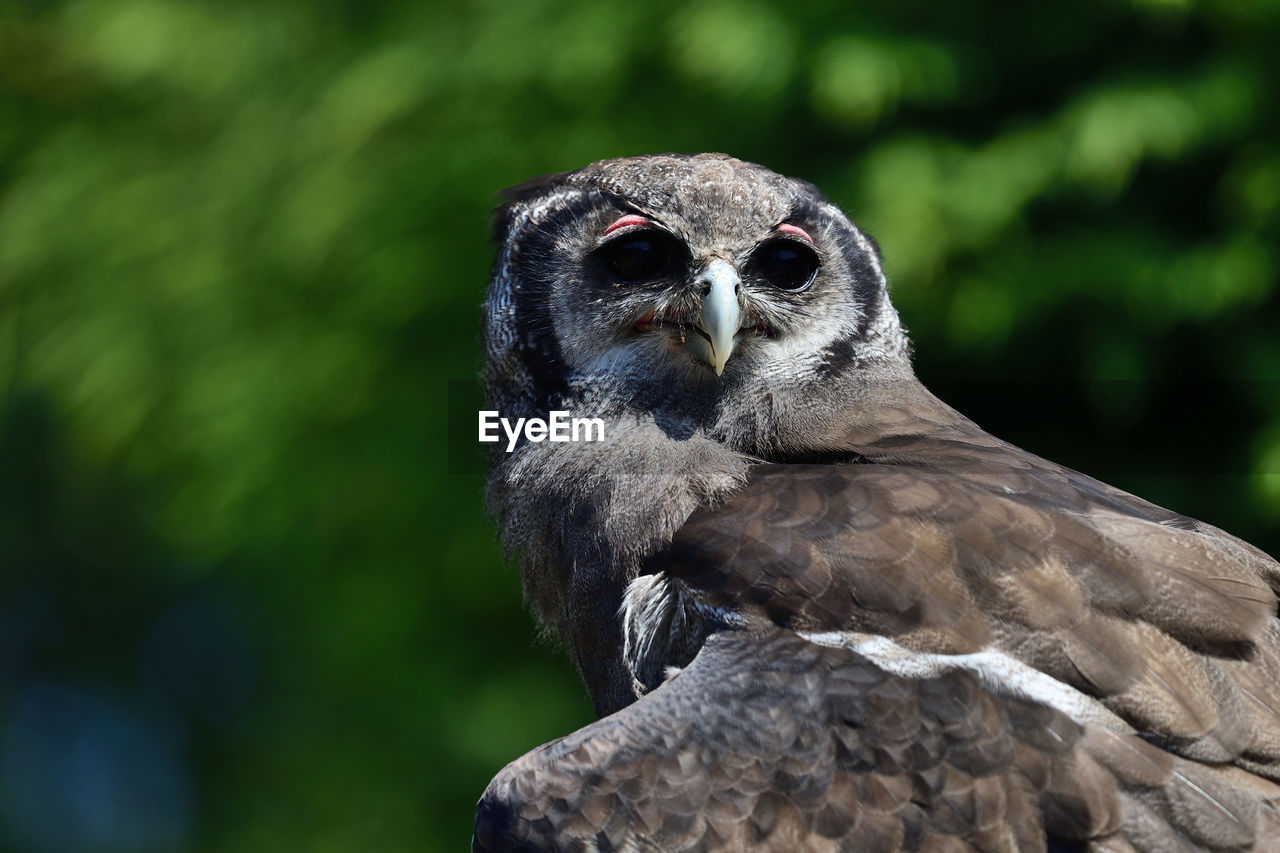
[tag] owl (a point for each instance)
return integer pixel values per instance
(816, 608)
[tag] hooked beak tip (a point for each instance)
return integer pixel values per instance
(720, 314)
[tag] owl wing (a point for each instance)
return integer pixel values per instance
(768, 741)
(931, 641)
(928, 548)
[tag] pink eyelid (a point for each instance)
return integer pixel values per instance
(794, 231)
(629, 219)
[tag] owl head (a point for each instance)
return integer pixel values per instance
(710, 293)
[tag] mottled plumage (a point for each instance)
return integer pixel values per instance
(816, 607)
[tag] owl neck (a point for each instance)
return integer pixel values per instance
(582, 516)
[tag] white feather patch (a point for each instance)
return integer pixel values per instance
(647, 609)
(997, 670)
(658, 618)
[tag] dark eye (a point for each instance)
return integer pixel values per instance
(638, 255)
(785, 264)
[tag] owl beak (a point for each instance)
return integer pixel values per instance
(720, 315)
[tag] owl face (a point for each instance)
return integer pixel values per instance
(683, 291)
(684, 281)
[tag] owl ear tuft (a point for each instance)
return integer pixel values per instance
(500, 218)
(810, 188)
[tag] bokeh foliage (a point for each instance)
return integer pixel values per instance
(248, 597)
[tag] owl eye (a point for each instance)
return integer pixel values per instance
(785, 264)
(637, 255)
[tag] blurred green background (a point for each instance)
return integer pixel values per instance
(249, 600)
